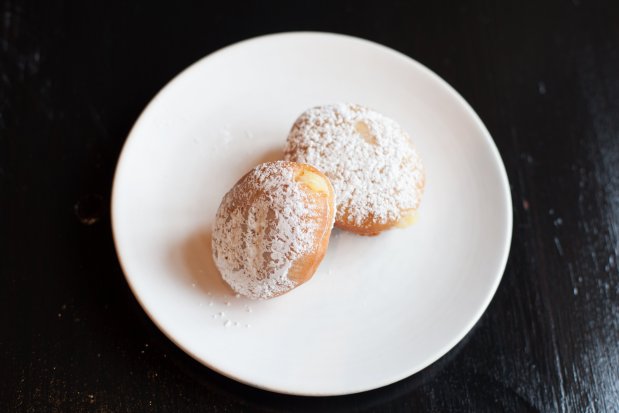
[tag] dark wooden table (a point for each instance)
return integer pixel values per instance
(74, 77)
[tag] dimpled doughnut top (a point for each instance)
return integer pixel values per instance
(266, 225)
(376, 172)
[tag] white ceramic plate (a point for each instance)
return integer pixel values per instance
(379, 308)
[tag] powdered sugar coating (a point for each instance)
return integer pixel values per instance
(376, 172)
(263, 225)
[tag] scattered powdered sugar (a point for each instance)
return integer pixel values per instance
(263, 224)
(370, 160)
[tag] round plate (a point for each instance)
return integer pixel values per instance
(379, 308)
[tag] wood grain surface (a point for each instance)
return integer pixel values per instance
(74, 76)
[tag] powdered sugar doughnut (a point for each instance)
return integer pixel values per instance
(272, 229)
(376, 172)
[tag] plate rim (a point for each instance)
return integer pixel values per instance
(496, 157)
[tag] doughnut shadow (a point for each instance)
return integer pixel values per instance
(195, 252)
(271, 155)
(197, 255)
